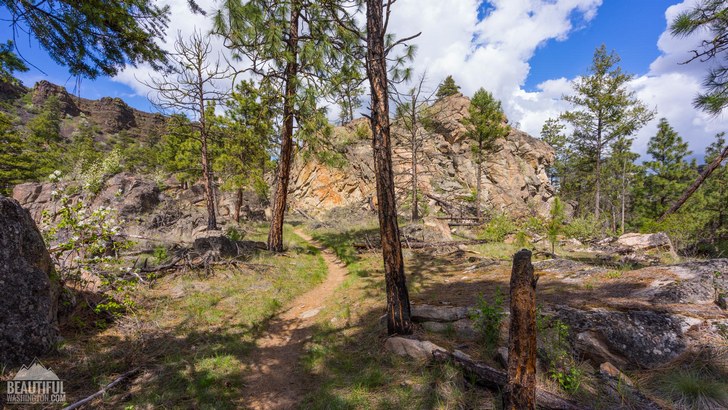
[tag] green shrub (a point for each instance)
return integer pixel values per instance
(498, 227)
(553, 339)
(583, 228)
(234, 234)
(487, 318)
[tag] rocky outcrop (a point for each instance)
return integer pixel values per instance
(146, 209)
(109, 115)
(514, 176)
(28, 289)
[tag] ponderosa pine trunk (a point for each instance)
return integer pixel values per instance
(520, 392)
(478, 182)
(280, 199)
(206, 169)
(238, 203)
(415, 207)
(398, 306)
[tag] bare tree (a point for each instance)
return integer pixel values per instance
(194, 88)
(413, 112)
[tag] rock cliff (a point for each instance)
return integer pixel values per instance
(514, 175)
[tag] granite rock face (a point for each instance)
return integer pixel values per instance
(514, 177)
(28, 290)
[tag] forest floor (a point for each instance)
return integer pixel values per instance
(303, 329)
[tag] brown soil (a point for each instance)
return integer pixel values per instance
(276, 380)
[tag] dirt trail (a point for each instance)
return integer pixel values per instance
(276, 380)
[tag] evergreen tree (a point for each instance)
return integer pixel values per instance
(604, 110)
(94, 37)
(619, 187)
(712, 16)
(44, 139)
(179, 150)
(555, 225)
(15, 162)
(486, 124)
(552, 133)
(9, 63)
(83, 150)
(668, 173)
(447, 88)
(295, 46)
(247, 135)
(716, 191)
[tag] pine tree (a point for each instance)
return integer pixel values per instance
(94, 37)
(447, 88)
(15, 162)
(247, 135)
(668, 173)
(556, 222)
(716, 191)
(712, 16)
(604, 109)
(552, 133)
(179, 150)
(486, 124)
(9, 63)
(623, 172)
(44, 139)
(295, 46)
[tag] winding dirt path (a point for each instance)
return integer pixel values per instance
(276, 380)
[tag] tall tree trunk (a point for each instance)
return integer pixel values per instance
(598, 182)
(206, 169)
(415, 207)
(280, 200)
(521, 388)
(209, 187)
(478, 180)
(694, 187)
(398, 306)
(238, 203)
(624, 194)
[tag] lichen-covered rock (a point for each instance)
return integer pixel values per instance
(28, 290)
(639, 338)
(430, 313)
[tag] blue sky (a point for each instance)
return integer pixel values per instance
(525, 51)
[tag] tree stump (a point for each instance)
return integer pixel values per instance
(520, 393)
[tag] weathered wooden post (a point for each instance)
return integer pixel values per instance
(520, 393)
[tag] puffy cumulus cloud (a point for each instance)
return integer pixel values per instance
(669, 87)
(491, 52)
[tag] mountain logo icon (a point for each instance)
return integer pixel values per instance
(36, 371)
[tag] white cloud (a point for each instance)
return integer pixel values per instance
(494, 53)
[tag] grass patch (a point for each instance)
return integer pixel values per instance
(191, 333)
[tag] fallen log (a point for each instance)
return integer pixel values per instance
(494, 379)
(90, 398)
(422, 245)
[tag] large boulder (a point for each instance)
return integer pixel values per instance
(641, 242)
(28, 288)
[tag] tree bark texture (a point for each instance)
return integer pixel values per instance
(521, 390)
(398, 306)
(280, 199)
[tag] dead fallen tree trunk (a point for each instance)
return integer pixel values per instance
(494, 379)
(99, 393)
(422, 245)
(694, 187)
